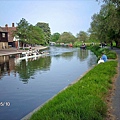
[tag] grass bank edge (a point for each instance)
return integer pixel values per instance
(84, 100)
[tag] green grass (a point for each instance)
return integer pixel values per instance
(84, 100)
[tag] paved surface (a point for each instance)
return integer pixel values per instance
(116, 97)
(15, 51)
(9, 51)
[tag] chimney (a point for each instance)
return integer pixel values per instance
(6, 26)
(13, 25)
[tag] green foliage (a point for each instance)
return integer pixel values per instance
(46, 30)
(105, 24)
(77, 44)
(22, 29)
(28, 33)
(98, 52)
(36, 35)
(111, 55)
(84, 100)
(55, 37)
(66, 37)
(82, 36)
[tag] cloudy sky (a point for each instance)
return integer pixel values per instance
(62, 15)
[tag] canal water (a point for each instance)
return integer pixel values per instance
(26, 84)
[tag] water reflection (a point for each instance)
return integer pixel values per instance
(92, 59)
(82, 54)
(7, 65)
(26, 69)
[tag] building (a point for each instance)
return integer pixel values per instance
(3, 38)
(12, 41)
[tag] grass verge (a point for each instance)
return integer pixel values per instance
(84, 100)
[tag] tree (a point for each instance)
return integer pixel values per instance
(82, 36)
(112, 20)
(35, 35)
(100, 24)
(67, 37)
(22, 30)
(46, 29)
(55, 37)
(28, 33)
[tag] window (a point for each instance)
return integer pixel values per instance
(3, 35)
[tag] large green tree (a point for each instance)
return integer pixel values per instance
(35, 35)
(46, 29)
(28, 33)
(22, 30)
(55, 37)
(111, 21)
(82, 36)
(67, 37)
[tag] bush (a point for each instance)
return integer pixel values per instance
(111, 55)
(98, 52)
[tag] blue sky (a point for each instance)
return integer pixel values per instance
(62, 15)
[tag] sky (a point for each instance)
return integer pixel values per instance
(61, 15)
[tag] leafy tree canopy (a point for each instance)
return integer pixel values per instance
(55, 37)
(28, 33)
(67, 37)
(106, 24)
(46, 30)
(82, 36)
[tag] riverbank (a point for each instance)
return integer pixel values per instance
(85, 99)
(11, 51)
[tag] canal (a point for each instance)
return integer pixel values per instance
(26, 84)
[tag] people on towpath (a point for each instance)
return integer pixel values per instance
(104, 57)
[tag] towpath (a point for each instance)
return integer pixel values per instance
(116, 96)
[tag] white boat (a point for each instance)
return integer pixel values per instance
(32, 56)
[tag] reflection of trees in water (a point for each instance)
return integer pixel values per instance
(27, 69)
(66, 55)
(92, 60)
(82, 54)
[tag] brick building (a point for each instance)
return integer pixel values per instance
(3, 38)
(12, 41)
